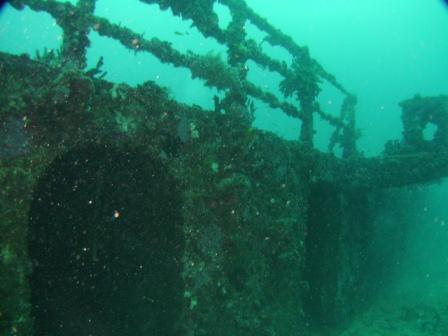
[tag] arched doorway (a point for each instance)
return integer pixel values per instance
(105, 241)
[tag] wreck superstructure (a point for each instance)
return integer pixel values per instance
(245, 241)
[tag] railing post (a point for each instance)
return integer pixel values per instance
(307, 129)
(348, 116)
(76, 25)
(237, 58)
(304, 84)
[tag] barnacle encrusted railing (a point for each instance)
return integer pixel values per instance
(301, 79)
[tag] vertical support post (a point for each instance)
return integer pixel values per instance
(236, 99)
(236, 35)
(307, 130)
(348, 117)
(76, 24)
(307, 91)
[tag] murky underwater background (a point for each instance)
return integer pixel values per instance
(384, 51)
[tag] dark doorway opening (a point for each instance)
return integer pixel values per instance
(105, 241)
(339, 256)
(321, 258)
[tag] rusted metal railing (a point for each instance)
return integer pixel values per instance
(301, 79)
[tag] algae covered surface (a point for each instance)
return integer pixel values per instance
(223, 167)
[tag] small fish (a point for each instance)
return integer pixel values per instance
(180, 33)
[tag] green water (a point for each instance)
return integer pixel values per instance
(383, 51)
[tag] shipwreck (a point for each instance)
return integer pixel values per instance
(126, 212)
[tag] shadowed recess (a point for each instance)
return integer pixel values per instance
(105, 241)
(321, 262)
